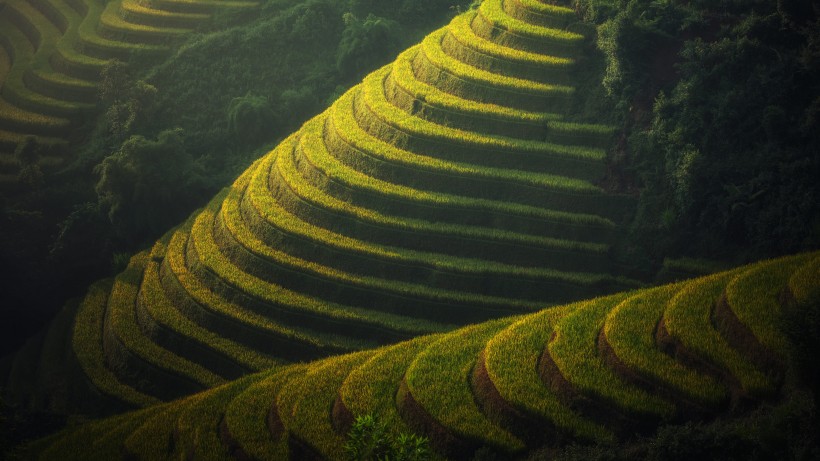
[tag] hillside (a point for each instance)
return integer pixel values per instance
(595, 371)
(447, 188)
(53, 54)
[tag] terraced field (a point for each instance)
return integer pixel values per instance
(52, 53)
(597, 370)
(447, 188)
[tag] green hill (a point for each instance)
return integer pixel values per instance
(594, 371)
(447, 188)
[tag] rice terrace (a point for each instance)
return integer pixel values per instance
(409, 229)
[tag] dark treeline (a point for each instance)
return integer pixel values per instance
(169, 135)
(720, 103)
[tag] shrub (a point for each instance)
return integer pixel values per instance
(370, 440)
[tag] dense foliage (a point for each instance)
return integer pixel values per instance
(371, 440)
(722, 132)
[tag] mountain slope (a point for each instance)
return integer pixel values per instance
(447, 188)
(600, 370)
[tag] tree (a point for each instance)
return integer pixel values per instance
(365, 44)
(252, 119)
(146, 186)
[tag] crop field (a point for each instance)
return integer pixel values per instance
(413, 205)
(55, 50)
(596, 370)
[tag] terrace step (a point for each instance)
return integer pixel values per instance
(258, 327)
(371, 387)
(380, 327)
(134, 357)
(96, 439)
(252, 418)
(154, 438)
(92, 44)
(142, 12)
(65, 59)
(201, 6)
(88, 348)
(355, 146)
(314, 205)
(462, 43)
(508, 384)
(114, 27)
(494, 23)
(167, 327)
(405, 91)
(434, 66)
(421, 136)
(580, 373)
(37, 85)
(749, 314)
(804, 283)
(539, 13)
(197, 429)
(628, 344)
(305, 403)
(687, 324)
(270, 223)
(455, 424)
(323, 171)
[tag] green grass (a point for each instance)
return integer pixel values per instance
(305, 403)
(575, 354)
(247, 414)
(439, 380)
(511, 359)
(87, 344)
(688, 320)
(630, 332)
(753, 296)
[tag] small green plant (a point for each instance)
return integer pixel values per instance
(370, 440)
